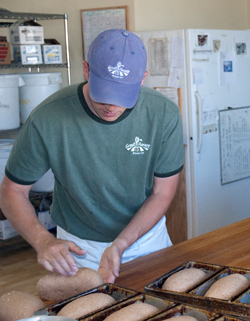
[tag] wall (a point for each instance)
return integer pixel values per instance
(178, 14)
(143, 15)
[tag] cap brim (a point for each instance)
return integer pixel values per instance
(113, 93)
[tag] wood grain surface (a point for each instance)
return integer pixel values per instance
(227, 246)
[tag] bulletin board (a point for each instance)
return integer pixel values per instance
(234, 131)
(95, 21)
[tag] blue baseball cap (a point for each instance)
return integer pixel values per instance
(117, 63)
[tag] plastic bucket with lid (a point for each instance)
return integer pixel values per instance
(9, 101)
(44, 184)
(38, 86)
(5, 148)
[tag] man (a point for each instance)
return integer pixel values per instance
(116, 151)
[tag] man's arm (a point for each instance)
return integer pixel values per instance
(151, 211)
(54, 254)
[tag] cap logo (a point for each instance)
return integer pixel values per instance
(118, 71)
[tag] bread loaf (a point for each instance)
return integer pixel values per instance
(55, 287)
(181, 318)
(228, 286)
(18, 305)
(183, 280)
(85, 305)
(133, 312)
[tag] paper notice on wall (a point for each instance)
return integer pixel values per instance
(177, 53)
(197, 76)
(227, 68)
(171, 93)
(158, 57)
(174, 78)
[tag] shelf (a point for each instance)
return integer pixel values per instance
(14, 65)
(9, 15)
(6, 14)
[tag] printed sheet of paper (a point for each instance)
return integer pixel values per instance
(95, 22)
(174, 78)
(171, 93)
(177, 53)
(158, 57)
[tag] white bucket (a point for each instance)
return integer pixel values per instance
(9, 101)
(38, 86)
(5, 148)
(44, 184)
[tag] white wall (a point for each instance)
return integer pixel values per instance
(178, 14)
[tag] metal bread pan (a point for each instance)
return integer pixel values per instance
(161, 304)
(155, 287)
(209, 269)
(118, 293)
(233, 306)
(186, 310)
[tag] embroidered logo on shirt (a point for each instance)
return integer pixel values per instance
(118, 71)
(137, 147)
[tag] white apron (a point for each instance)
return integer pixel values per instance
(156, 239)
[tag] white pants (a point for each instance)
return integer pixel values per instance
(156, 239)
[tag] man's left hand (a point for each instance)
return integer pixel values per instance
(110, 264)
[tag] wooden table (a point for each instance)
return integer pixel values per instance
(229, 246)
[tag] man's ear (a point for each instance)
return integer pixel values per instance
(85, 70)
(144, 77)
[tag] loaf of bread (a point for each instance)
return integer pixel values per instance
(181, 318)
(228, 286)
(55, 287)
(18, 305)
(85, 305)
(133, 312)
(183, 280)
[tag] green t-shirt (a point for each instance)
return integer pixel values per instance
(103, 170)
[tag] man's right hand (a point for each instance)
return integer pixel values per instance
(54, 255)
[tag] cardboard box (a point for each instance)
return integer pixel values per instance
(6, 230)
(26, 32)
(52, 52)
(5, 58)
(28, 54)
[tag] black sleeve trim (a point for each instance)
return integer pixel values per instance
(17, 180)
(169, 174)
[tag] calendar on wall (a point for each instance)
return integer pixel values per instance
(95, 21)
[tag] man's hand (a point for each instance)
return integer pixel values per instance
(54, 254)
(110, 264)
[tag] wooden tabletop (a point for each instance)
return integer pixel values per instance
(229, 246)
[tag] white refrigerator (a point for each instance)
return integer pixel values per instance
(208, 73)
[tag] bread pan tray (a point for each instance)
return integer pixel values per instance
(118, 293)
(230, 306)
(186, 310)
(161, 304)
(155, 287)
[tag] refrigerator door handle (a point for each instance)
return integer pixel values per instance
(199, 120)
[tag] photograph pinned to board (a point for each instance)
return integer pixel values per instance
(203, 43)
(228, 68)
(241, 48)
(158, 57)
(94, 21)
